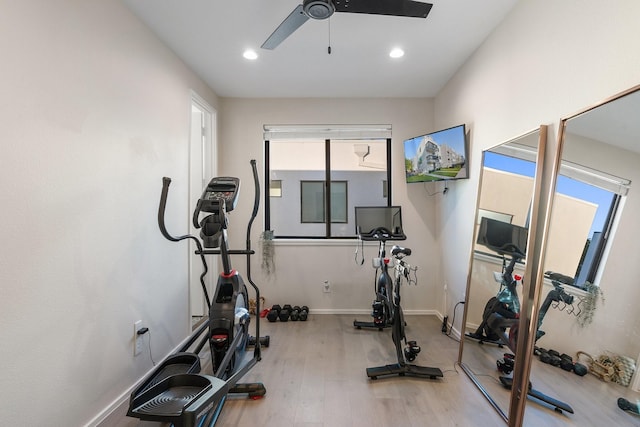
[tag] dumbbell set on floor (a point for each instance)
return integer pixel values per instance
(564, 361)
(286, 313)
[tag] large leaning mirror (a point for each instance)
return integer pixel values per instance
(503, 217)
(589, 301)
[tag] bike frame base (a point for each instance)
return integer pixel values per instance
(557, 405)
(404, 370)
(371, 325)
(482, 339)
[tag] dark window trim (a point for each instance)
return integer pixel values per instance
(327, 236)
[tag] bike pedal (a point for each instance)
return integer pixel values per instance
(414, 347)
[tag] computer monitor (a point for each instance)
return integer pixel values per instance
(370, 218)
(497, 235)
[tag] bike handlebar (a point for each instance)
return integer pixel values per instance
(399, 250)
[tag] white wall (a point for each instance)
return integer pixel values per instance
(93, 112)
(547, 60)
(301, 267)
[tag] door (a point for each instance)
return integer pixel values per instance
(202, 169)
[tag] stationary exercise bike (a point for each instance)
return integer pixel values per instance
(176, 392)
(502, 317)
(382, 307)
(508, 282)
(406, 351)
(379, 224)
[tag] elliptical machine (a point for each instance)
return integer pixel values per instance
(175, 391)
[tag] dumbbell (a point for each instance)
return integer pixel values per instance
(264, 341)
(285, 313)
(566, 362)
(274, 313)
(304, 312)
(295, 314)
(551, 357)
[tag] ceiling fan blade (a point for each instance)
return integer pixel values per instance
(286, 28)
(412, 9)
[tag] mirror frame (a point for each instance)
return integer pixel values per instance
(516, 417)
(533, 276)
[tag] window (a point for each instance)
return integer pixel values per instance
(323, 172)
(312, 202)
(584, 209)
(596, 198)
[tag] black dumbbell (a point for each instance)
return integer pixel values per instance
(295, 313)
(304, 313)
(566, 362)
(285, 313)
(274, 313)
(264, 341)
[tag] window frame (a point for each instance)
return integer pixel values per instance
(327, 179)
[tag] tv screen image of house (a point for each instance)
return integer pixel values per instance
(437, 156)
(498, 235)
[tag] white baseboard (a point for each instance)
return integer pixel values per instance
(359, 312)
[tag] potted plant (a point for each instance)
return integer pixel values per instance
(266, 241)
(589, 303)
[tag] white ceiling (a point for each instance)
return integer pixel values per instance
(211, 35)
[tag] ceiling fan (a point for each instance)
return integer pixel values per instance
(323, 9)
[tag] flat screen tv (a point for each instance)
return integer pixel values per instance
(437, 156)
(501, 236)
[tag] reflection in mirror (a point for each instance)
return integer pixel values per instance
(497, 265)
(592, 256)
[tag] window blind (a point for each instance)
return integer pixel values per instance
(275, 132)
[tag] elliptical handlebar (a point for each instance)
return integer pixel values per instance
(249, 252)
(256, 201)
(166, 182)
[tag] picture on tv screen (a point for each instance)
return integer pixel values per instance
(437, 156)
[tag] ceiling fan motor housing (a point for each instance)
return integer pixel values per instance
(318, 9)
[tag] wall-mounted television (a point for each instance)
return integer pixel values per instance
(437, 156)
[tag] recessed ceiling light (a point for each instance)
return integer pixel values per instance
(396, 52)
(250, 54)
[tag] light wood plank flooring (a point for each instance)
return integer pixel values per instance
(315, 375)
(593, 401)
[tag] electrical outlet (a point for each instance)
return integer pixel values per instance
(326, 287)
(138, 340)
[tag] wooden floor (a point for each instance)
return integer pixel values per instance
(594, 402)
(315, 375)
